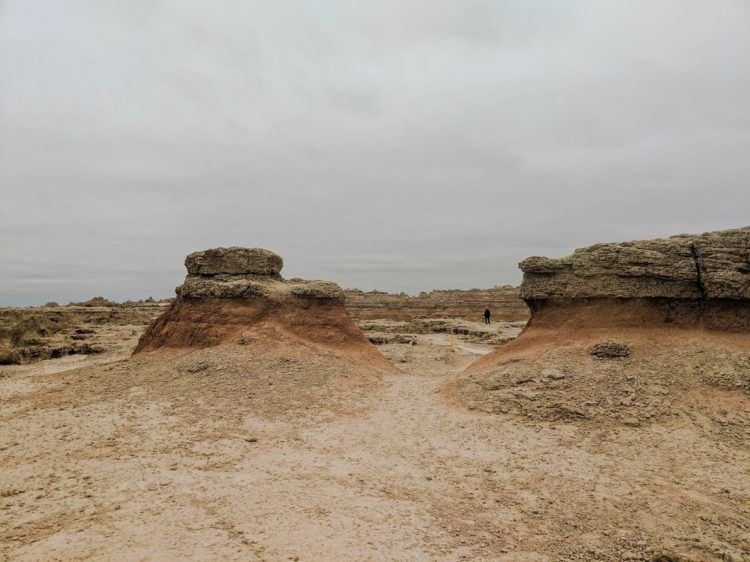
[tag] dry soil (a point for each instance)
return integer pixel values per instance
(239, 454)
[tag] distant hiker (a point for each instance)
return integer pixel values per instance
(486, 315)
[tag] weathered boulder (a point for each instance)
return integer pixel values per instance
(247, 286)
(707, 266)
(234, 261)
(610, 349)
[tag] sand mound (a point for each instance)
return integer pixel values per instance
(237, 295)
(630, 332)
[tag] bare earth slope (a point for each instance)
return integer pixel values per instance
(241, 454)
(554, 371)
(273, 445)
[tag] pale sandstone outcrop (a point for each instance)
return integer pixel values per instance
(234, 261)
(235, 272)
(714, 265)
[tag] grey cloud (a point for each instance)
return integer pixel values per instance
(392, 145)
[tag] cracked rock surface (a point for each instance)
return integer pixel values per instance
(703, 266)
(234, 261)
(236, 272)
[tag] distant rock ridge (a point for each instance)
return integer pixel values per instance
(503, 301)
(713, 265)
(96, 301)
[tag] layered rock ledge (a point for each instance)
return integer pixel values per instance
(230, 273)
(703, 266)
(689, 280)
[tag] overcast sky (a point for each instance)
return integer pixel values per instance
(391, 144)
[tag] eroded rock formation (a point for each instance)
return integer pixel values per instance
(234, 261)
(34, 334)
(705, 266)
(238, 294)
(687, 279)
(231, 273)
(632, 332)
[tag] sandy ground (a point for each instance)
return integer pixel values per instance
(398, 475)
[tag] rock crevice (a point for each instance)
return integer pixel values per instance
(698, 275)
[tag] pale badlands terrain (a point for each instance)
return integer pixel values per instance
(207, 456)
(253, 420)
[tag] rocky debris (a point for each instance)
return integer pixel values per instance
(504, 302)
(32, 329)
(10, 357)
(234, 261)
(197, 367)
(610, 350)
(38, 351)
(384, 339)
(553, 374)
(712, 265)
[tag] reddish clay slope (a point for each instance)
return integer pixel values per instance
(210, 321)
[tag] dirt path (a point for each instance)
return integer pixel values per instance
(405, 478)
